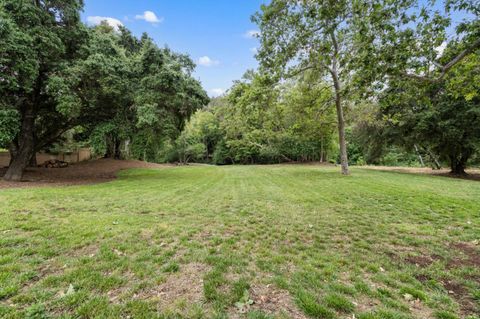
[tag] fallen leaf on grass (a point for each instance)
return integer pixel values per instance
(408, 297)
(118, 252)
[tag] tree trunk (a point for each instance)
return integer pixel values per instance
(341, 123)
(321, 150)
(434, 160)
(117, 155)
(437, 164)
(13, 150)
(33, 160)
(110, 152)
(338, 105)
(420, 158)
(25, 146)
(458, 165)
(127, 149)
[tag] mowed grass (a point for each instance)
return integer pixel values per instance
(243, 242)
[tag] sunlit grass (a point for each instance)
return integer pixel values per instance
(212, 242)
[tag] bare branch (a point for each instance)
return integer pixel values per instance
(475, 45)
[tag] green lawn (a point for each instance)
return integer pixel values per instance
(243, 242)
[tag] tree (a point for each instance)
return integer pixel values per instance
(166, 96)
(422, 41)
(37, 39)
(321, 36)
(440, 116)
(426, 62)
(58, 75)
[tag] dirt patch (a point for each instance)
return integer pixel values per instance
(420, 310)
(364, 304)
(90, 172)
(422, 261)
(117, 295)
(472, 174)
(422, 278)
(462, 296)
(467, 255)
(184, 285)
(272, 301)
(417, 308)
(88, 250)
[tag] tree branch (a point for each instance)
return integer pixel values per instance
(447, 67)
(299, 71)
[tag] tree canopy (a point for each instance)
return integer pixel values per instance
(59, 75)
(383, 53)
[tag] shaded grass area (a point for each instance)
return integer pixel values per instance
(243, 242)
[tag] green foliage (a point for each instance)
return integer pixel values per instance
(98, 140)
(423, 65)
(18, 65)
(9, 126)
(128, 96)
(435, 118)
(35, 44)
(259, 123)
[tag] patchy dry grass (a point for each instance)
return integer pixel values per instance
(243, 242)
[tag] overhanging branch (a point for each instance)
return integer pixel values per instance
(447, 67)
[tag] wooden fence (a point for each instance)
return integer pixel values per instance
(83, 154)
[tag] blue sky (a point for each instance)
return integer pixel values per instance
(213, 32)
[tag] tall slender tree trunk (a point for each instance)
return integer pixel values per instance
(338, 104)
(321, 150)
(341, 123)
(341, 134)
(127, 148)
(420, 158)
(25, 149)
(435, 161)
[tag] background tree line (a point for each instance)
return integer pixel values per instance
(376, 82)
(61, 79)
(259, 122)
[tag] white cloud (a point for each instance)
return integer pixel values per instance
(254, 50)
(217, 92)
(96, 20)
(149, 16)
(206, 61)
(251, 34)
